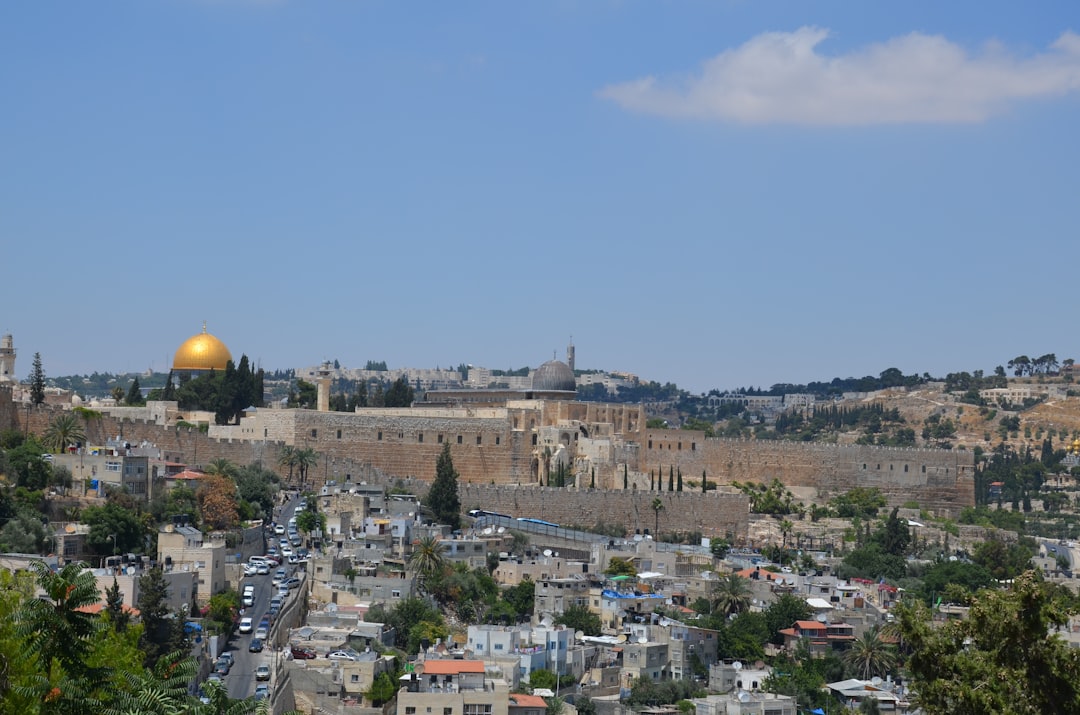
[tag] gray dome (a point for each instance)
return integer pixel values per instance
(554, 375)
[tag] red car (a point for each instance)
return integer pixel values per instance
(299, 653)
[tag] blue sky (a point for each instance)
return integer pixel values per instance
(715, 194)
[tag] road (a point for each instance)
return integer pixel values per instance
(241, 679)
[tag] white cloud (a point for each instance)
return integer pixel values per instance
(782, 78)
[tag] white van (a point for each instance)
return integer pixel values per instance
(258, 560)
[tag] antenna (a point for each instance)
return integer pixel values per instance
(736, 666)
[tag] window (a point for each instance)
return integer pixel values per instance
(410, 711)
(314, 434)
(440, 439)
(905, 467)
(380, 440)
(498, 646)
(534, 440)
(459, 439)
(395, 594)
(479, 439)
(339, 434)
(498, 440)
(477, 709)
(420, 438)
(447, 711)
(693, 446)
(354, 678)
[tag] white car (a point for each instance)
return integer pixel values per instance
(264, 569)
(248, 600)
(279, 529)
(342, 655)
(245, 625)
(261, 634)
(250, 569)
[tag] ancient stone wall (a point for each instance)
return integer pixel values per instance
(713, 514)
(939, 480)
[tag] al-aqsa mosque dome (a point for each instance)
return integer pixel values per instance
(201, 353)
(554, 376)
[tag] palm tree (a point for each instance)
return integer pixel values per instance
(305, 459)
(732, 594)
(222, 467)
(287, 458)
(785, 529)
(427, 558)
(657, 507)
(63, 431)
(870, 655)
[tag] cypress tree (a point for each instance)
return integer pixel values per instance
(678, 486)
(671, 478)
(442, 498)
(625, 477)
(592, 479)
(37, 381)
(704, 482)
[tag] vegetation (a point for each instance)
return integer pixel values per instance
(442, 499)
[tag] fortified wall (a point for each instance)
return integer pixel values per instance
(940, 480)
(508, 446)
(714, 514)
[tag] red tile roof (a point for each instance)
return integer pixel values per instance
(453, 667)
(528, 701)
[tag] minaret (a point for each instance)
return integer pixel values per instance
(7, 359)
(570, 353)
(322, 384)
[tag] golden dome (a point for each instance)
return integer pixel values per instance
(201, 352)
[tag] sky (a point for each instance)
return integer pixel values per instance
(716, 194)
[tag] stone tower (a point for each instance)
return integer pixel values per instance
(570, 354)
(322, 386)
(7, 359)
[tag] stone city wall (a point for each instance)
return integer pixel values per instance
(939, 480)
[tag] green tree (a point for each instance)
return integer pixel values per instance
(63, 430)
(731, 594)
(287, 458)
(428, 557)
(113, 529)
(163, 630)
(134, 394)
(306, 458)
(37, 381)
(719, 547)
(580, 618)
(400, 394)
(442, 498)
(162, 690)
(542, 679)
(119, 617)
(1005, 657)
(783, 612)
(870, 655)
(618, 566)
(657, 507)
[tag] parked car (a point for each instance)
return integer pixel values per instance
(222, 666)
(262, 672)
(293, 582)
(279, 576)
(262, 691)
(262, 633)
(229, 657)
(263, 569)
(300, 653)
(251, 569)
(342, 655)
(256, 645)
(279, 529)
(245, 625)
(248, 600)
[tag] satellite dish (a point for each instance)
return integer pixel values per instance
(547, 552)
(169, 528)
(736, 666)
(130, 570)
(547, 621)
(70, 528)
(638, 537)
(502, 529)
(744, 697)
(621, 638)
(875, 681)
(489, 530)
(579, 635)
(642, 639)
